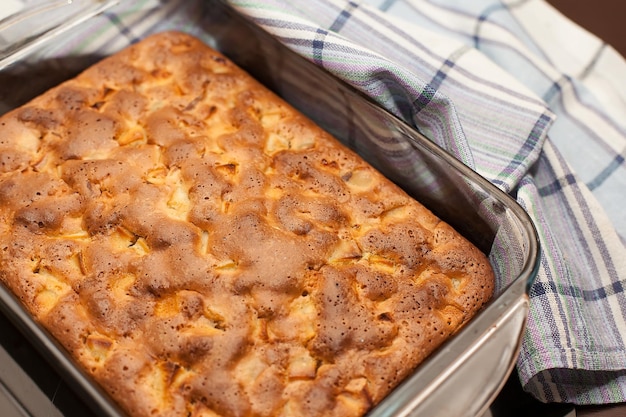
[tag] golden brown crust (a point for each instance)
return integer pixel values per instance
(203, 249)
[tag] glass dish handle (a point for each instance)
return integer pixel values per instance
(35, 24)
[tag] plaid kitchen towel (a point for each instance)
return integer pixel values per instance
(514, 90)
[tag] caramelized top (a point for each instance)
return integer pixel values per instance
(203, 249)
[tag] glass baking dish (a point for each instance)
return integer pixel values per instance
(37, 22)
(473, 365)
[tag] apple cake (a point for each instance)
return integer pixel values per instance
(201, 248)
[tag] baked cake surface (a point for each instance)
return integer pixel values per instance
(202, 249)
